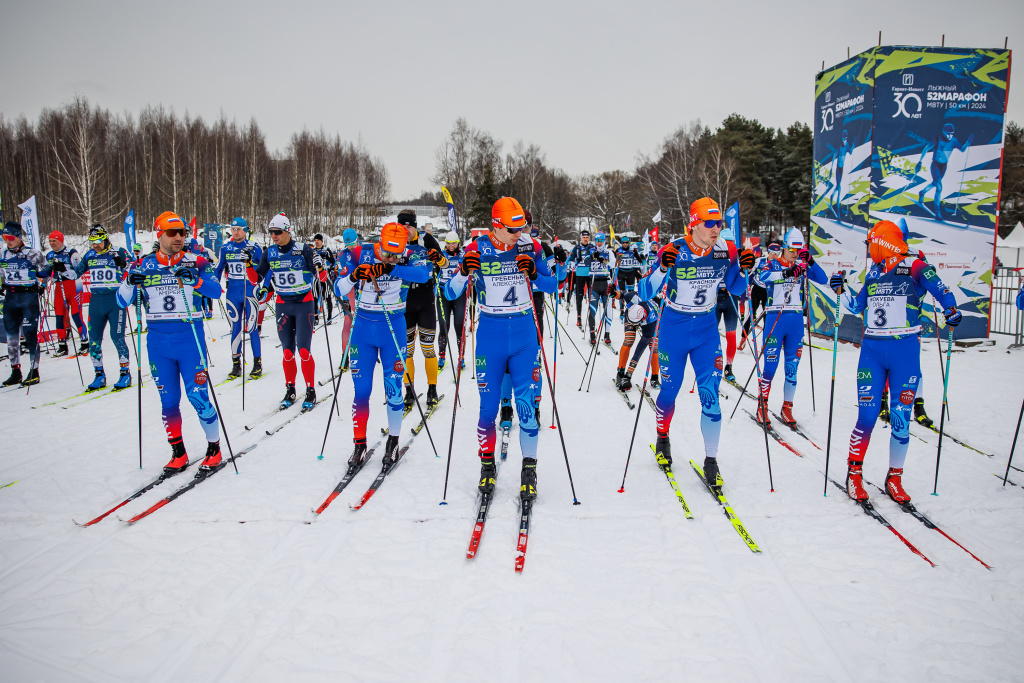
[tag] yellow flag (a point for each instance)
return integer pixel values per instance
(612, 231)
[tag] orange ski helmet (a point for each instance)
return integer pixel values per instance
(508, 213)
(394, 238)
(704, 209)
(885, 244)
(169, 219)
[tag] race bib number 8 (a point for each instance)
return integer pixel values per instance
(167, 303)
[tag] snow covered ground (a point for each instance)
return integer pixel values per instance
(228, 583)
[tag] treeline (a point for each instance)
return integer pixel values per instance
(86, 165)
(767, 170)
(1011, 204)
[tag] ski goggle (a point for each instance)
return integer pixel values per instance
(713, 224)
(170, 232)
(774, 249)
(276, 231)
(502, 224)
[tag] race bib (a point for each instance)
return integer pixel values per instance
(886, 316)
(786, 297)
(506, 293)
(104, 277)
(695, 296)
(390, 296)
(236, 270)
(289, 282)
(19, 277)
(167, 303)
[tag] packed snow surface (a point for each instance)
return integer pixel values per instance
(231, 583)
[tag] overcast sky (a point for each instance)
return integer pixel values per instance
(592, 82)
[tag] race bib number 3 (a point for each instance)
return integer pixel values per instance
(886, 314)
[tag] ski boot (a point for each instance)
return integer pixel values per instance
(787, 414)
(619, 374)
(15, 377)
(663, 451)
(920, 415)
(883, 412)
(31, 378)
(83, 348)
(625, 382)
(179, 459)
(212, 460)
(357, 459)
(62, 349)
(711, 474)
(488, 471)
(99, 382)
(593, 338)
(236, 368)
(310, 400)
(431, 396)
(289, 396)
(440, 362)
(655, 381)
(607, 339)
(579, 322)
(124, 381)
(410, 397)
(855, 481)
(528, 480)
(894, 486)
(727, 373)
(506, 415)
(257, 368)
(762, 412)
(390, 451)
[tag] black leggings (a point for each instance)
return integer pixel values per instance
(448, 310)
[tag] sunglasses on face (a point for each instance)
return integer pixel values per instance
(277, 232)
(519, 229)
(712, 224)
(170, 232)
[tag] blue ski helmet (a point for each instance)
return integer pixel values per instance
(240, 223)
(947, 131)
(350, 236)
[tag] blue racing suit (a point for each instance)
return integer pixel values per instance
(105, 276)
(241, 303)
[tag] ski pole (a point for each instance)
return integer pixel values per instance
(138, 360)
(643, 389)
(401, 359)
(569, 338)
(74, 345)
(444, 320)
(837, 318)
(761, 400)
(938, 349)
(810, 341)
(458, 379)
(942, 418)
(206, 371)
(244, 321)
(337, 384)
(330, 359)
(554, 373)
(757, 355)
(554, 405)
(598, 341)
(1014, 446)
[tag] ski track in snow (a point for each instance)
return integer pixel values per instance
(229, 583)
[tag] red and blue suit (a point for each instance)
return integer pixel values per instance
(689, 328)
(172, 341)
(378, 317)
(783, 331)
(891, 350)
(506, 340)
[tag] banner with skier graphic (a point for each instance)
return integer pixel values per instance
(913, 135)
(938, 144)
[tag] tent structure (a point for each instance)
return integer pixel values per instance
(1010, 251)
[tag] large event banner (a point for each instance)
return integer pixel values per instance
(938, 150)
(843, 105)
(913, 135)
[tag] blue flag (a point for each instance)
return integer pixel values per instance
(129, 230)
(732, 219)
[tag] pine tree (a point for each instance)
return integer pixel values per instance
(483, 200)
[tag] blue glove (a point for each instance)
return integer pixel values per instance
(186, 275)
(837, 281)
(261, 293)
(953, 316)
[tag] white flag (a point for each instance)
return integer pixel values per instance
(647, 242)
(658, 216)
(30, 223)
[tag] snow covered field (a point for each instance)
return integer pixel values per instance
(228, 583)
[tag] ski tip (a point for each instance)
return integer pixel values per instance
(443, 502)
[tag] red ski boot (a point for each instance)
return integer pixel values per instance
(179, 459)
(894, 485)
(855, 481)
(787, 414)
(762, 412)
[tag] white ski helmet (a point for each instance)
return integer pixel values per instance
(795, 239)
(452, 237)
(636, 314)
(280, 222)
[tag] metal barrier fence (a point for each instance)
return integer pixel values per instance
(1004, 316)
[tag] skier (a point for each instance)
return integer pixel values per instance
(106, 266)
(641, 316)
(421, 312)
(233, 257)
(21, 269)
(382, 270)
(449, 311)
(689, 327)
(502, 265)
(67, 301)
(579, 261)
(323, 290)
(600, 273)
(943, 147)
(835, 195)
(348, 303)
(758, 294)
(166, 281)
(291, 268)
(1020, 298)
(783, 278)
(629, 262)
(891, 298)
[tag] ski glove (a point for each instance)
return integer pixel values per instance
(470, 262)
(248, 253)
(136, 277)
(371, 271)
(953, 316)
(838, 281)
(805, 256)
(318, 261)
(261, 294)
(58, 267)
(747, 259)
(187, 276)
(560, 254)
(119, 260)
(435, 257)
(668, 256)
(795, 270)
(526, 266)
